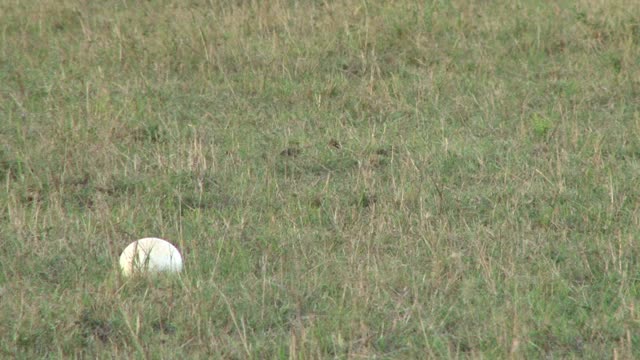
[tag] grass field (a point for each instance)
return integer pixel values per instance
(345, 179)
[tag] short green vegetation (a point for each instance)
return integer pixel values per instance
(345, 179)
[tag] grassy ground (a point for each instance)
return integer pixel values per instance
(349, 179)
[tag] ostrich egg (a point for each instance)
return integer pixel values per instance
(150, 255)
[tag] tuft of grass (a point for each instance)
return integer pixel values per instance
(355, 179)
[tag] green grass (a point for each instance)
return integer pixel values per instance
(353, 179)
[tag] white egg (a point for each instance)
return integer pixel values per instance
(150, 255)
